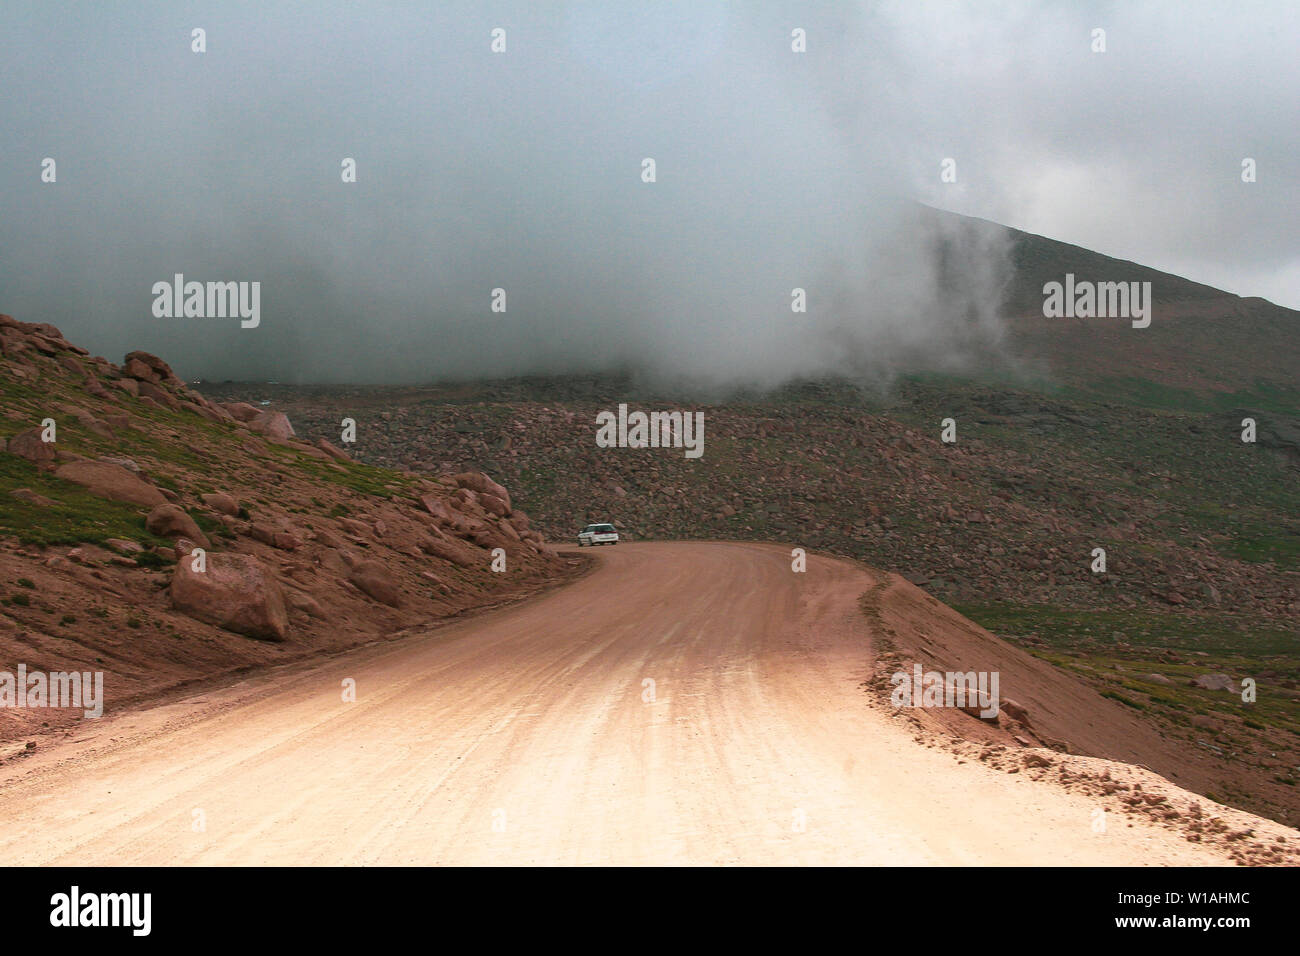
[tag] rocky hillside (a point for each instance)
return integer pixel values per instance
(1190, 516)
(163, 538)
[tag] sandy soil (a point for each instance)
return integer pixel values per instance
(528, 735)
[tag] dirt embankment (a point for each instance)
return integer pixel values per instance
(111, 476)
(1053, 726)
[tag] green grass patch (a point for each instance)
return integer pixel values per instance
(1282, 550)
(75, 516)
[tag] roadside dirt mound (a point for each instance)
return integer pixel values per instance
(111, 476)
(1051, 725)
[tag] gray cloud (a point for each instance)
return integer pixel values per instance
(522, 171)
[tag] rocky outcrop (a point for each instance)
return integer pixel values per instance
(221, 503)
(27, 444)
(111, 481)
(374, 579)
(235, 592)
(483, 485)
(274, 425)
(171, 521)
(299, 541)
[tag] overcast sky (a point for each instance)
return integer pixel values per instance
(522, 170)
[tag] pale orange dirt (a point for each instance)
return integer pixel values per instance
(528, 735)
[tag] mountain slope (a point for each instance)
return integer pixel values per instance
(1204, 345)
(304, 551)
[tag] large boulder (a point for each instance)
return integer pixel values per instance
(221, 503)
(157, 369)
(28, 445)
(273, 425)
(446, 516)
(171, 521)
(242, 411)
(139, 370)
(455, 553)
(481, 483)
(373, 579)
(158, 394)
(435, 507)
(111, 481)
(235, 592)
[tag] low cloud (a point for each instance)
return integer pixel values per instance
(522, 171)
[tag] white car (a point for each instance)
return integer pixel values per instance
(595, 534)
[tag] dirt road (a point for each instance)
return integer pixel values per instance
(531, 735)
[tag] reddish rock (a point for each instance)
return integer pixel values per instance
(28, 445)
(242, 411)
(305, 603)
(1014, 711)
(139, 370)
(354, 527)
(43, 345)
(201, 410)
(308, 449)
(128, 463)
(263, 533)
(222, 503)
(171, 521)
(327, 539)
(373, 579)
(236, 592)
(111, 481)
(435, 507)
(481, 483)
(285, 541)
(331, 560)
(455, 553)
(488, 538)
(158, 394)
(154, 364)
(31, 497)
(333, 451)
(273, 425)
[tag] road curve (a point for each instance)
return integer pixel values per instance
(529, 735)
